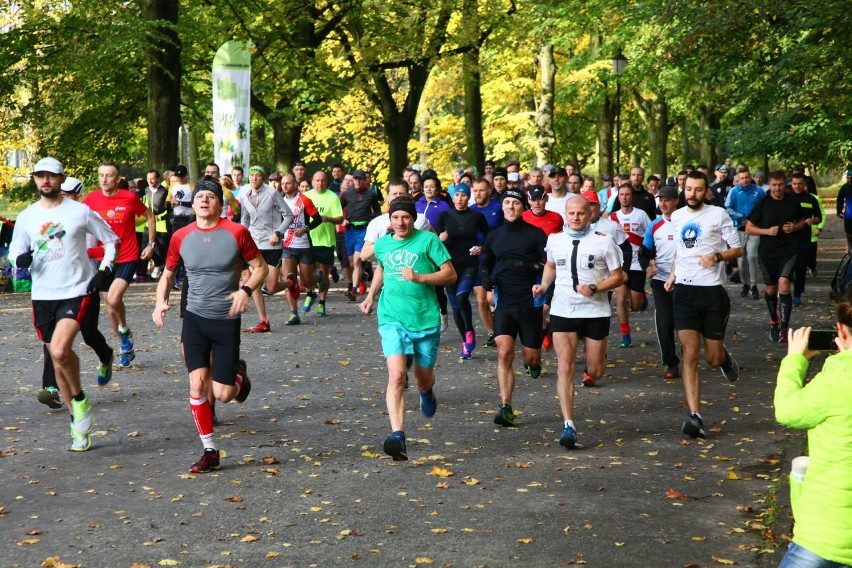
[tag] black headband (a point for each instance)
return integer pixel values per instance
(402, 205)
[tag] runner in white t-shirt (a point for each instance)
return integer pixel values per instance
(584, 263)
(297, 255)
(631, 296)
(703, 234)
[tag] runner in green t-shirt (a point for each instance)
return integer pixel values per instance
(411, 263)
(323, 238)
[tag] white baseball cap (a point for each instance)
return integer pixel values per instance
(72, 185)
(49, 165)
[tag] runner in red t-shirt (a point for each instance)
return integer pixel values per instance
(119, 208)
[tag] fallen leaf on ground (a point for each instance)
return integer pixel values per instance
(249, 538)
(675, 494)
(723, 560)
(441, 472)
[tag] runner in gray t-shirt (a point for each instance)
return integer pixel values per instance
(213, 249)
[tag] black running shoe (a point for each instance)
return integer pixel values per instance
(693, 426)
(395, 446)
(209, 461)
(245, 389)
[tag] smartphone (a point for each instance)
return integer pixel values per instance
(822, 340)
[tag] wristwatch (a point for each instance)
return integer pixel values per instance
(152, 245)
(718, 257)
(594, 288)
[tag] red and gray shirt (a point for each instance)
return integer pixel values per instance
(213, 259)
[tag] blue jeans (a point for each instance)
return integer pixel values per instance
(799, 557)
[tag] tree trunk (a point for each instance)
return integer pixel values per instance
(545, 135)
(685, 150)
(398, 124)
(286, 139)
(475, 152)
(424, 140)
(192, 154)
(604, 128)
(709, 125)
(655, 112)
(164, 76)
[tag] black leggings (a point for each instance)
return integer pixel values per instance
(91, 335)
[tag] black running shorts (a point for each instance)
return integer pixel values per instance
(205, 337)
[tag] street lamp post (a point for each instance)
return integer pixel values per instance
(619, 62)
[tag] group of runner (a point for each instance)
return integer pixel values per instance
(542, 257)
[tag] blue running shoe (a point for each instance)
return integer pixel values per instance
(394, 446)
(321, 310)
(568, 437)
(428, 403)
(105, 371)
(625, 340)
(125, 358)
(126, 341)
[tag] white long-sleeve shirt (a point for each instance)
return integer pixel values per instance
(57, 237)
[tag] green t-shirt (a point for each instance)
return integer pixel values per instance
(328, 205)
(411, 304)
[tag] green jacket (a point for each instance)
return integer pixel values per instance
(822, 504)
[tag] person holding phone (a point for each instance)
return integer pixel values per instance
(822, 503)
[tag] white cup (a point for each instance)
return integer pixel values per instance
(800, 466)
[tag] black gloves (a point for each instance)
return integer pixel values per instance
(101, 281)
(486, 282)
(24, 260)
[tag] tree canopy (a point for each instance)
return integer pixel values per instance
(384, 84)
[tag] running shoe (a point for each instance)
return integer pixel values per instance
(126, 344)
(782, 336)
(744, 291)
(733, 373)
(293, 286)
(505, 416)
(79, 442)
(672, 373)
(321, 310)
(362, 288)
(105, 371)
(465, 354)
(209, 461)
(265, 291)
(157, 272)
(693, 426)
(262, 327)
(774, 331)
(735, 277)
(294, 319)
(568, 437)
(84, 418)
(797, 301)
(50, 397)
(428, 403)
(625, 341)
(754, 293)
(335, 276)
(309, 301)
(588, 380)
(445, 322)
(394, 446)
(245, 389)
(350, 295)
(470, 341)
(490, 342)
(533, 371)
(124, 360)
